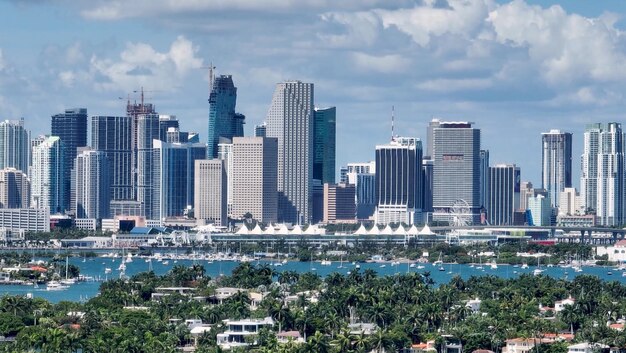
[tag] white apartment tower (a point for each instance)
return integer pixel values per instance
(255, 172)
(556, 161)
(290, 120)
(210, 188)
(91, 177)
(14, 145)
(47, 187)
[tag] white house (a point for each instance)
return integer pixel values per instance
(586, 347)
(559, 305)
(241, 333)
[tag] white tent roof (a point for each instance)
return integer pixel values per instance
(297, 230)
(257, 230)
(361, 230)
(283, 230)
(311, 230)
(413, 230)
(374, 230)
(426, 231)
(400, 231)
(387, 231)
(243, 230)
(269, 230)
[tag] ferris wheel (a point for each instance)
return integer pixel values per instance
(460, 213)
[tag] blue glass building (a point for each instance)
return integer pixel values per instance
(223, 121)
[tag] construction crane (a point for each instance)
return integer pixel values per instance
(211, 69)
(141, 106)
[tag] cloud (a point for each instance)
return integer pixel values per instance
(391, 63)
(140, 64)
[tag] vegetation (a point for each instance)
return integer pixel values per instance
(405, 308)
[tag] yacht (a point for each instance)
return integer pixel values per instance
(326, 263)
(537, 271)
(524, 266)
(55, 285)
(494, 265)
(107, 270)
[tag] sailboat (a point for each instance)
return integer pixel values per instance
(538, 270)
(67, 280)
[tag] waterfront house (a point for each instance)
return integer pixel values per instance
(289, 336)
(559, 305)
(161, 292)
(242, 333)
(586, 347)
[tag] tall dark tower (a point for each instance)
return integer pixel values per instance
(223, 121)
(71, 128)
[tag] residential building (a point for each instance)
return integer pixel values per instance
(71, 128)
(91, 184)
(324, 144)
(260, 130)
(14, 145)
(242, 333)
(27, 219)
(540, 210)
(210, 188)
(47, 183)
(569, 203)
(174, 135)
(398, 181)
(290, 120)
(223, 121)
(556, 161)
(165, 123)
(502, 194)
(589, 167)
(586, 347)
(173, 177)
(112, 135)
(339, 203)
(225, 153)
(14, 189)
(255, 178)
(147, 133)
(133, 111)
(456, 171)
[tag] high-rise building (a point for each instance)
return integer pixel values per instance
(484, 177)
(225, 153)
(14, 145)
(165, 123)
(589, 167)
(47, 186)
(133, 111)
(71, 128)
(540, 210)
(569, 203)
(526, 191)
(260, 130)
(223, 121)
(210, 192)
(324, 142)
(556, 161)
(363, 177)
(456, 172)
(112, 135)
(610, 178)
(502, 194)
(147, 133)
(430, 138)
(14, 188)
(172, 177)
(427, 186)
(174, 135)
(255, 178)
(339, 205)
(399, 181)
(290, 120)
(92, 184)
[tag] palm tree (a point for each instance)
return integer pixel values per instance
(319, 343)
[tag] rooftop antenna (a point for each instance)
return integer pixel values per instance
(392, 120)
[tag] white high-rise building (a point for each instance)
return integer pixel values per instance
(210, 187)
(363, 177)
(556, 158)
(147, 132)
(589, 167)
(47, 187)
(255, 172)
(14, 145)
(569, 203)
(225, 153)
(290, 120)
(91, 178)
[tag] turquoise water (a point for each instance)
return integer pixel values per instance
(95, 267)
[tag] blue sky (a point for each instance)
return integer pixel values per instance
(515, 68)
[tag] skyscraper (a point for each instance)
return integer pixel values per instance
(456, 171)
(223, 121)
(290, 120)
(430, 138)
(47, 186)
(399, 181)
(92, 184)
(502, 194)
(556, 161)
(14, 145)
(112, 135)
(14, 189)
(260, 130)
(71, 128)
(363, 177)
(589, 167)
(339, 203)
(147, 132)
(133, 111)
(173, 173)
(324, 142)
(255, 178)
(225, 153)
(484, 177)
(166, 122)
(210, 192)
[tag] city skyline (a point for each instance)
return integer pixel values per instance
(90, 54)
